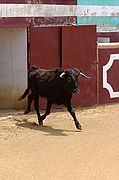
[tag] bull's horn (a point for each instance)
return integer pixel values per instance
(82, 74)
(61, 75)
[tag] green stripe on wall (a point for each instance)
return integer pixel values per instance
(99, 2)
(99, 21)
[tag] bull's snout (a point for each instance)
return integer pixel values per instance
(76, 90)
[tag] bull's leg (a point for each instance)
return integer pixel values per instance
(30, 99)
(47, 112)
(72, 112)
(36, 104)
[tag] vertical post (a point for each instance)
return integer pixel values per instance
(61, 47)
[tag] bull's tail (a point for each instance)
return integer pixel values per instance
(25, 94)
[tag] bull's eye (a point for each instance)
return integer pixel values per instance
(69, 79)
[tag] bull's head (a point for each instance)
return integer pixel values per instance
(71, 80)
(72, 76)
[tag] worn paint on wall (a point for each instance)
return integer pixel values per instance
(13, 66)
(36, 10)
(38, 1)
(48, 10)
(37, 13)
(104, 14)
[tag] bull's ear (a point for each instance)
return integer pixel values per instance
(62, 75)
(59, 70)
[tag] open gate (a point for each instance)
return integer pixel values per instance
(68, 47)
(79, 50)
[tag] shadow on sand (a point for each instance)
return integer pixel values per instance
(47, 129)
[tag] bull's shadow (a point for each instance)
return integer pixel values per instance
(50, 131)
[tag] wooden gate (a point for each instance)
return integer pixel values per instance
(45, 47)
(68, 47)
(79, 50)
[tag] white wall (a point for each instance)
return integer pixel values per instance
(13, 66)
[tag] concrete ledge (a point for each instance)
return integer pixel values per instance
(108, 45)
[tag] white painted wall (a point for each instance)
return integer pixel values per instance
(53, 10)
(13, 66)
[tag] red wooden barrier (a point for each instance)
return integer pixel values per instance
(45, 49)
(79, 50)
(69, 47)
(108, 57)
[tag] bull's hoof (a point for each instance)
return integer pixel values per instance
(42, 117)
(78, 126)
(39, 124)
(27, 111)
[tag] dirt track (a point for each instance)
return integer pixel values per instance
(57, 150)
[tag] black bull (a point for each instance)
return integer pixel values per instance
(56, 85)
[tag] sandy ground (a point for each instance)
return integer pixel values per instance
(57, 150)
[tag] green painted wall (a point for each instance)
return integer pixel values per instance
(111, 20)
(99, 2)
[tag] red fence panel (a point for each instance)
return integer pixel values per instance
(39, 1)
(68, 47)
(45, 47)
(79, 51)
(108, 56)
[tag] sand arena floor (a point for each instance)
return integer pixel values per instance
(57, 150)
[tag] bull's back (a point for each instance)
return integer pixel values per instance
(50, 85)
